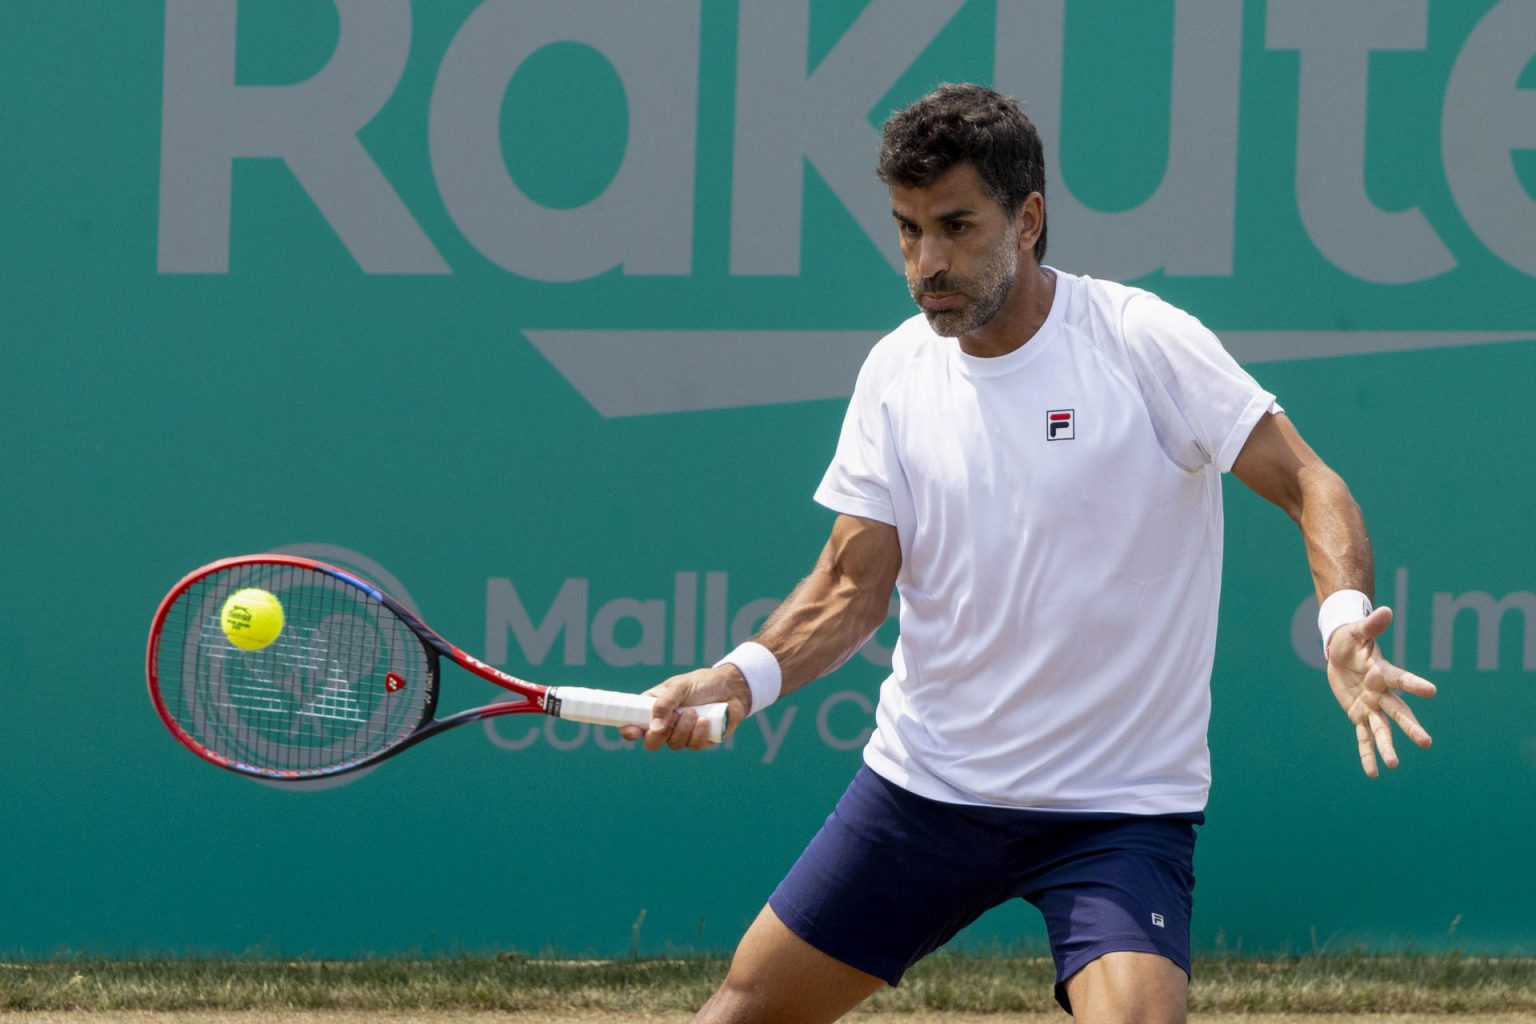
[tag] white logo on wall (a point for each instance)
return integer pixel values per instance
(692, 625)
(803, 113)
(365, 568)
(623, 632)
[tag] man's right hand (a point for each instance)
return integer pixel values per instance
(674, 721)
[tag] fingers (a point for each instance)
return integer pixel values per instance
(1367, 749)
(1403, 715)
(675, 722)
(1371, 689)
(1373, 735)
(1410, 683)
(1381, 732)
(664, 717)
(672, 723)
(678, 728)
(663, 711)
(689, 731)
(1376, 623)
(1358, 635)
(635, 732)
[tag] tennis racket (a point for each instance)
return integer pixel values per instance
(351, 679)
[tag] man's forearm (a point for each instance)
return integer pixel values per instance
(1281, 468)
(1338, 548)
(820, 626)
(838, 606)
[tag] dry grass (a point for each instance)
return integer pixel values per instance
(951, 988)
(862, 1017)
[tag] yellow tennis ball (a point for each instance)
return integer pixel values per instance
(252, 618)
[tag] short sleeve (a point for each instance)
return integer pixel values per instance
(858, 482)
(1203, 404)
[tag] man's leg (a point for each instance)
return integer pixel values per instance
(776, 976)
(1129, 988)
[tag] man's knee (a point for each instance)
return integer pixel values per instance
(776, 976)
(1129, 988)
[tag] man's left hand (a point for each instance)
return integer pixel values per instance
(1369, 688)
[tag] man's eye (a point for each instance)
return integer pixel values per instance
(909, 229)
(957, 227)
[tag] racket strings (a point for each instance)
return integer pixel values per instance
(317, 699)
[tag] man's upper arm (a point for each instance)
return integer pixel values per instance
(1274, 462)
(863, 552)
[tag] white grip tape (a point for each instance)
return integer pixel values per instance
(609, 707)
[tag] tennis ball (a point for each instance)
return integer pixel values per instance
(252, 618)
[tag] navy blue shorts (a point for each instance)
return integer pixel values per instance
(892, 876)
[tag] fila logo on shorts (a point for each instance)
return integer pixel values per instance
(1058, 425)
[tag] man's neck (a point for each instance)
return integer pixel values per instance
(1022, 315)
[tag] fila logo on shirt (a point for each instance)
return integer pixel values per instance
(1058, 425)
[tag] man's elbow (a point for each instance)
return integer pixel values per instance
(1319, 487)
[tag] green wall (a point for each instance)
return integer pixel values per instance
(548, 312)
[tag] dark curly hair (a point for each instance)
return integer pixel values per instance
(956, 124)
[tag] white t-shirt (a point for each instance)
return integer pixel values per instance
(1059, 512)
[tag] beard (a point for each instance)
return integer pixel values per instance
(984, 294)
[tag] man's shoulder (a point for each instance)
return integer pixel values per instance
(1130, 316)
(1097, 300)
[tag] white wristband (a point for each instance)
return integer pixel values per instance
(761, 670)
(1340, 609)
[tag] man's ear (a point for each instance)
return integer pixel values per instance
(1031, 220)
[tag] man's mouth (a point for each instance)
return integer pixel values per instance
(940, 301)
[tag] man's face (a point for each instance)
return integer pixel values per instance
(961, 250)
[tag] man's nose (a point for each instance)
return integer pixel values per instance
(932, 257)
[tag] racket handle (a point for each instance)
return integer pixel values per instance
(608, 707)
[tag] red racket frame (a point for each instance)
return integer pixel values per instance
(535, 694)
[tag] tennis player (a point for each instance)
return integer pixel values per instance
(1034, 463)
